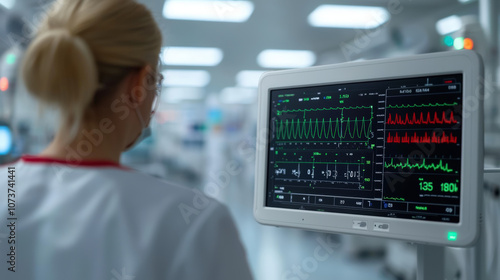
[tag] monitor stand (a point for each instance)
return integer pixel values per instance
(431, 261)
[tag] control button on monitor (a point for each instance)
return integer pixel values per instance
(324, 200)
(432, 208)
(392, 205)
(282, 197)
(374, 204)
(349, 202)
(381, 226)
(300, 198)
(360, 225)
(419, 207)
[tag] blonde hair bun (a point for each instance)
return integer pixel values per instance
(61, 70)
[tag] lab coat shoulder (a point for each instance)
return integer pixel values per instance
(211, 248)
(208, 245)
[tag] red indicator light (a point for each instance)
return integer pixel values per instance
(4, 84)
(468, 44)
(448, 81)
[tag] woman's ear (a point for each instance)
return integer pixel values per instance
(140, 85)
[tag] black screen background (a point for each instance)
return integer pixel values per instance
(357, 148)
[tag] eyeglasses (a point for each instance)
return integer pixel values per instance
(158, 89)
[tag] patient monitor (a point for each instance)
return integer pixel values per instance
(386, 148)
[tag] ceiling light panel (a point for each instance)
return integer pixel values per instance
(185, 78)
(448, 25)
(345, 16)
(7, 3)
(286, 58)
(191, 56)
(224, 11)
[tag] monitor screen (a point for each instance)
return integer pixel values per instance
(389, 148)
(6, 142)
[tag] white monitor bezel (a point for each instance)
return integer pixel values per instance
(467, 63)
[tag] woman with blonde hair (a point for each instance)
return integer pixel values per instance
(73, 211)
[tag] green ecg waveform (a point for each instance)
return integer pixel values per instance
(394, 198)
(423, 165)
(315, 129)
(422, 105)
(280, 112)
(338, 129)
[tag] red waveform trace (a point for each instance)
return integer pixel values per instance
(414, 120)
(442, 139)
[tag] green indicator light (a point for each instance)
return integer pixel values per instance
(452, 236)
(458, 44)
(448, 41)
(11, 59)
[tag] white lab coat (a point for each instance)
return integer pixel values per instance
(99, 221)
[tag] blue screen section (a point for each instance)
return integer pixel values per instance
(5, 140)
